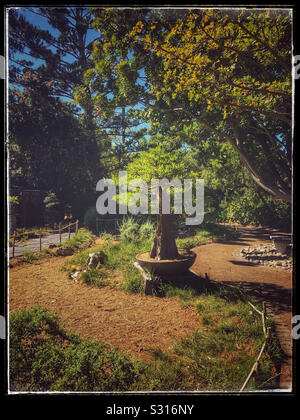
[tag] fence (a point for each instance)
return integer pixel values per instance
(40, 234)
(107, 225)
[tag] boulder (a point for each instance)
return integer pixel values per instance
(64, 251)
(95, 259)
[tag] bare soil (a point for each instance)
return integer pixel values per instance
(136, 324)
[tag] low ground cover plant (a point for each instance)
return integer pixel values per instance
(45, 357)
(82, 240)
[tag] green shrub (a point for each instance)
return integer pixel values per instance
(147, 230)
(81, 240)
(44, 357)
(133, 282)
(93, 277)
(29, 256)
(129, 230)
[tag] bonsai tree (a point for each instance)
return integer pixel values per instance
(160, 163)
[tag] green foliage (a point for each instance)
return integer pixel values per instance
(51, 200)
(188, 243)
(235, 87)
(129, 229)
(13, 199)
(44, 357)
(54, 131)
(132, 231)
(147, 230)
(250, 208)
(159, 162)
(93, 277)
(133, 282)
(81, 240)
(29, 256)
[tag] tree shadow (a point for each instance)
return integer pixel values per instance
(278, 297)
(244, 263)
(200, 285)
(240, 241)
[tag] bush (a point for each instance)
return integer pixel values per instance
(82, 240)
(133, 282)
(92, 277)
(129, 230)
(250, 208)
(147, 230)
(44, 357)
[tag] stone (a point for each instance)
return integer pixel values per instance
(75, 275)
(51, 246)
(64, 251)
(95, 259)
(149, 283)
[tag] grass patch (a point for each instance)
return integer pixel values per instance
(82, 240)
(220, 356)
(120, 258)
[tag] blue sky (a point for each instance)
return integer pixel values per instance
(32, 15)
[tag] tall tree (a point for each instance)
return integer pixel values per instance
(60, 55)
(51, 149)
(228, 71)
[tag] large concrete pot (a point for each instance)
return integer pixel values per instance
(183, 263)
(281, 243)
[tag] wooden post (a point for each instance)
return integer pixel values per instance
(59, 230)
(264, 317)
(14, 240)
(77, 221)
(40, 239)
(69, 230)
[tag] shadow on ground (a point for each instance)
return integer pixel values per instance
(279, 298)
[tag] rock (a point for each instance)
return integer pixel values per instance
(95, 259)
(64, 251)
(51, 246)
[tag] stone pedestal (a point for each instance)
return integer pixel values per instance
(149, 283)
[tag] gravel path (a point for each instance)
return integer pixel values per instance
(34, 244)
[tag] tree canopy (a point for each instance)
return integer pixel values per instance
(227, 71)
(119, 86)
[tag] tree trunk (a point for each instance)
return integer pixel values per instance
(164, 245)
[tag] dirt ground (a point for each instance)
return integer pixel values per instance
(135, 323)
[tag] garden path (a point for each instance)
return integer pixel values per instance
(34, 244)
